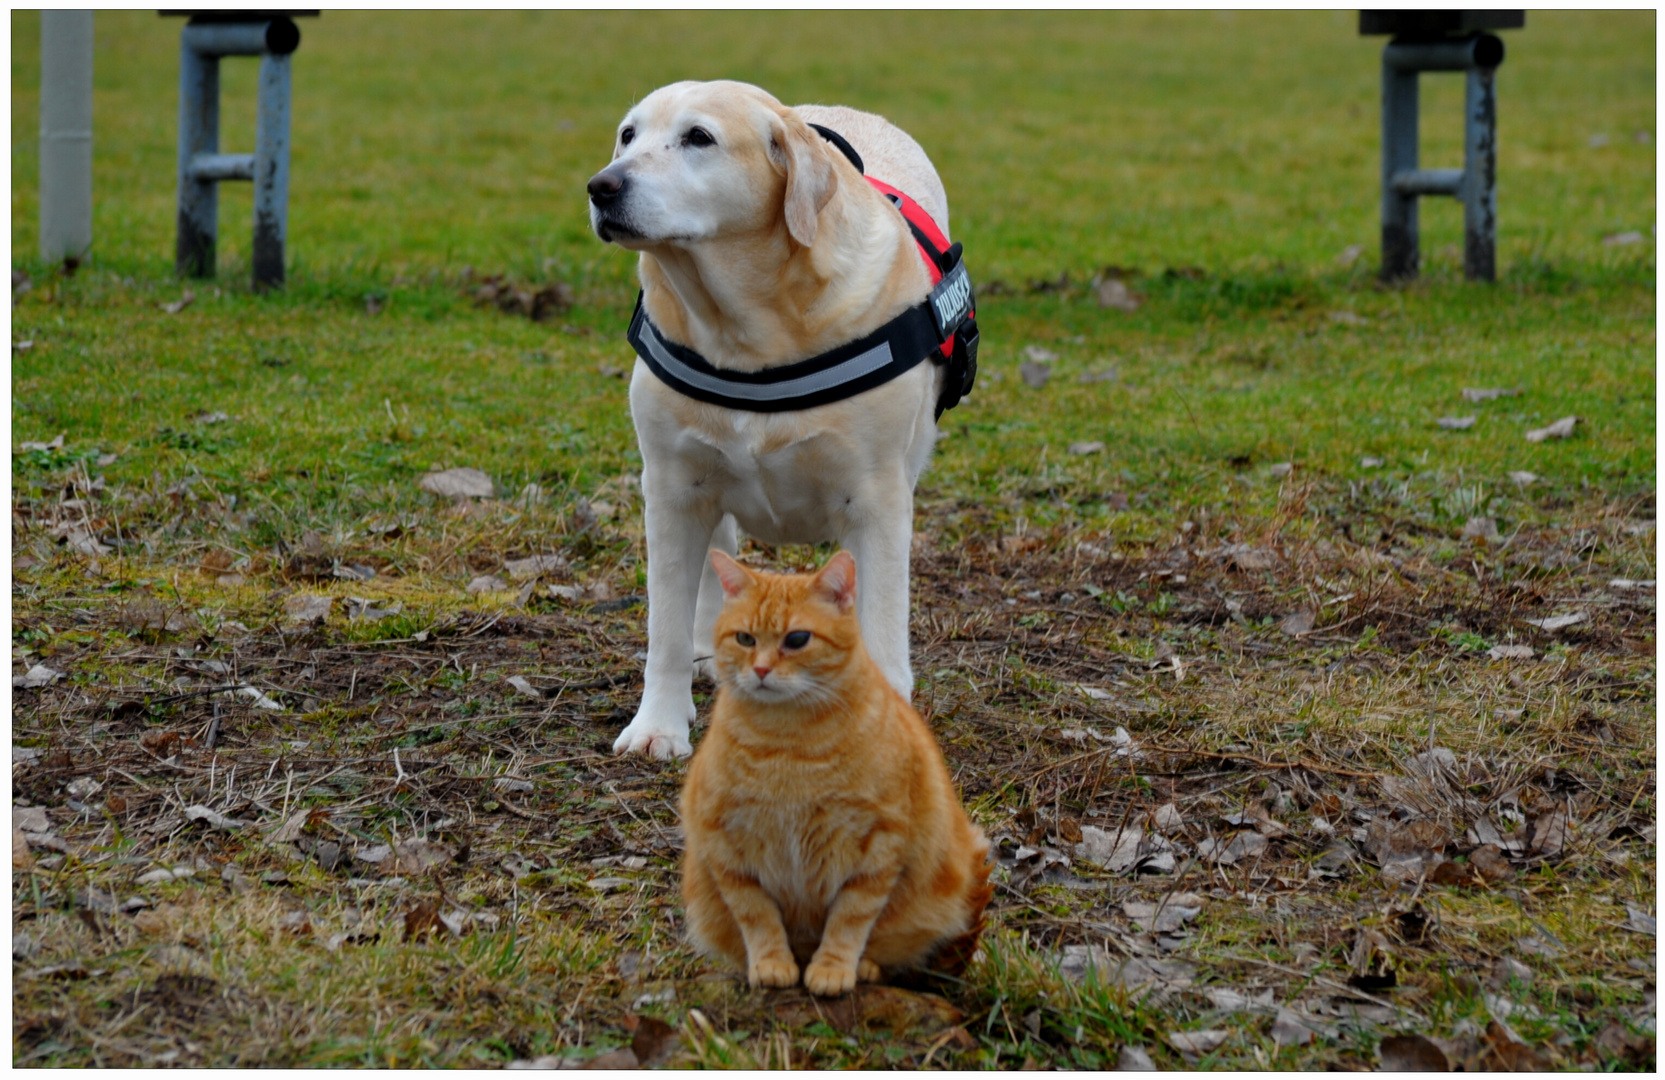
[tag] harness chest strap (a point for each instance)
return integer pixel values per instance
(943, 327)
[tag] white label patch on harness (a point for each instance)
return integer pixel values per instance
(951, 300)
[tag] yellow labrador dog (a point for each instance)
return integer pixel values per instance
(761, 244)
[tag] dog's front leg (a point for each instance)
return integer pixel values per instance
(677, 541)
(880, 539)
(710, 603)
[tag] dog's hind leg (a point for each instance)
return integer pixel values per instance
(880, 540)
(710, 604)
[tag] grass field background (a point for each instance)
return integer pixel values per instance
(1243, 145)
(1227, 164)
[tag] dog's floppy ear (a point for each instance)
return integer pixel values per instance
(811, 177)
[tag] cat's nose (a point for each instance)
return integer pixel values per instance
(762, 673)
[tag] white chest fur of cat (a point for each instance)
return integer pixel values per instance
(760, 246)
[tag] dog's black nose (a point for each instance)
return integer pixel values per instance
(606, 186)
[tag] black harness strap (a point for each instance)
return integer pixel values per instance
(894, 349)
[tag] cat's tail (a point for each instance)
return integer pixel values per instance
(954, 956)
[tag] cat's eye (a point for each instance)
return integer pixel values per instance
(745, 639)
(797, 639)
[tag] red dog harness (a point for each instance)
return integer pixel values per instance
(943, 327)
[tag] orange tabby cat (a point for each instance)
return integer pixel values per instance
(821, 824)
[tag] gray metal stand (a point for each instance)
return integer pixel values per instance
(1475, 184)
(202, 166)
(1424, 41)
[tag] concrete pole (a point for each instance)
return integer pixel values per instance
(66, 108)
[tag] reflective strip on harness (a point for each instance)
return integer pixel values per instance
(895, 348)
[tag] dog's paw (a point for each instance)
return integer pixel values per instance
(780, 970)
(829, 978)
(658, 741)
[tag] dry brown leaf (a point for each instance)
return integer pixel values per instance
(306, 610)
(181, 304)
(290, 830)
(1116, 851)
(1244, 845)
(533, 566)
(1197, 1042)
(1549, 833)
(1035, 375)
(1134, 1059)
(1412, 1053)
(652, 1040)
(1165, 914)
(460, 483)
(1297, 623)
(1452, 873)
(212, 817)
(1561, 429)
(36, 677)
(424, 919)
(1114, 293)
(1481, 528)
(1558, 622)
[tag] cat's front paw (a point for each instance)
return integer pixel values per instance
(773, 971)
(868, 972)
(829, 978)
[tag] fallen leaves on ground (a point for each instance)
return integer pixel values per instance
(176, 306)
(1035, 374)
(459, 483)
(1561, 429)
(1558, 622)
(1111, 292)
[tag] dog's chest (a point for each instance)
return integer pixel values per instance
(781, 484)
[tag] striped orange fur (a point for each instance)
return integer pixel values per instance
(823, 834)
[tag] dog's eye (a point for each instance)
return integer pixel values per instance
(797, 639)
(626, 135)
(699, 137)
(745, 639)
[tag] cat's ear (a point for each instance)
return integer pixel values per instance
(732, 575)
(837, 580)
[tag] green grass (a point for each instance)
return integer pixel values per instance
(1241, 145)
(1225, 161)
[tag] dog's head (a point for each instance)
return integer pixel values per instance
(701, 161)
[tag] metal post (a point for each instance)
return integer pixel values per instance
(271, 171)
(1400, 117)
(202, 166)
(1403, 182)
(66, 115)
(1480, 175)
(199, 135)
